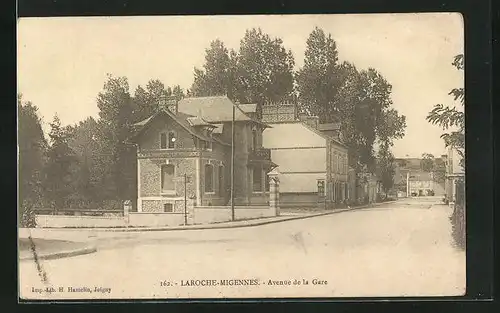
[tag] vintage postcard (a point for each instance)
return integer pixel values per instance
(271, 156)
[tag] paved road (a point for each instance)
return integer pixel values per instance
(393, 250)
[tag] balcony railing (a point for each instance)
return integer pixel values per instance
(260, 154)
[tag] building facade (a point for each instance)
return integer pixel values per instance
(312, 159)
(184, 152)
(421, 184)
(454, 172)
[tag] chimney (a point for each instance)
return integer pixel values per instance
(169, 103)
(278, 112)
(311, 121)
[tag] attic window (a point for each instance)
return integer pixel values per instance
(167, 140)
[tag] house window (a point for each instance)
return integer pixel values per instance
(167, 140)
(257, 178)
(171, 140)
(221, 180)
(168, 207)
(209, 178)
(163, 141)
(333, 162)
(206, 145)
(321, 188)
(267, 182)
(167, 177)
(337, 158)
(254, 139)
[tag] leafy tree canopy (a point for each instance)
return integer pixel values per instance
(449, 117)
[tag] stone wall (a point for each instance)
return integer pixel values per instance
(69, 221)
(298, 200)
(218, 214)
(157, 205)
(157, 219)
(150, 176)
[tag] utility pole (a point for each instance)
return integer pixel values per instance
(232, 165)
(408, 184)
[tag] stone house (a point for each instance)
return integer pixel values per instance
(185, 149)
(312, 158)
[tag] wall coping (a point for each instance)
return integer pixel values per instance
(151, 213)
(80, 216)
(239, 207)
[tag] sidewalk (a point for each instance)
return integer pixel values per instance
(284, 216)
(43, 249)
(83, 240)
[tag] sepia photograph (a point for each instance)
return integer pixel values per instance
(241, 156)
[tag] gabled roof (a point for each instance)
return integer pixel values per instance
(420, 176)
(324, 135)
(198, 121)
(218, 128)
(216, 109)
(248, 108)
(329, 126)
(213, 109)
(180, 118)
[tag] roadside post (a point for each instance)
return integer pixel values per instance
(186, 180)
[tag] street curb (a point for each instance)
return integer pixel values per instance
(207, 226)
(62, 254)
(245, 225)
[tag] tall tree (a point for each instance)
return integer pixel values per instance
(32, 146)
(60, 170)
(450, 117)
(386, 167)
(439, 171)
(319, 80)
(427, 162)
(116, 116)
(84, 143)
(264, 69)
(261, 71)
(214, 79)
(145, 100)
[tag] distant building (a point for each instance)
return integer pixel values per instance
(192, 138)
(421, 184)
(454, 172)
(312, 158)
(408, 173)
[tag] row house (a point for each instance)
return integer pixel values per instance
(312, 159)
(454, 173)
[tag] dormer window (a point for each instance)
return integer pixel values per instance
(167, 140)
(206, 145)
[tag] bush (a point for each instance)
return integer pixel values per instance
(458, 216)
(27, 218)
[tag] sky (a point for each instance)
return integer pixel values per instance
(63, 62)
